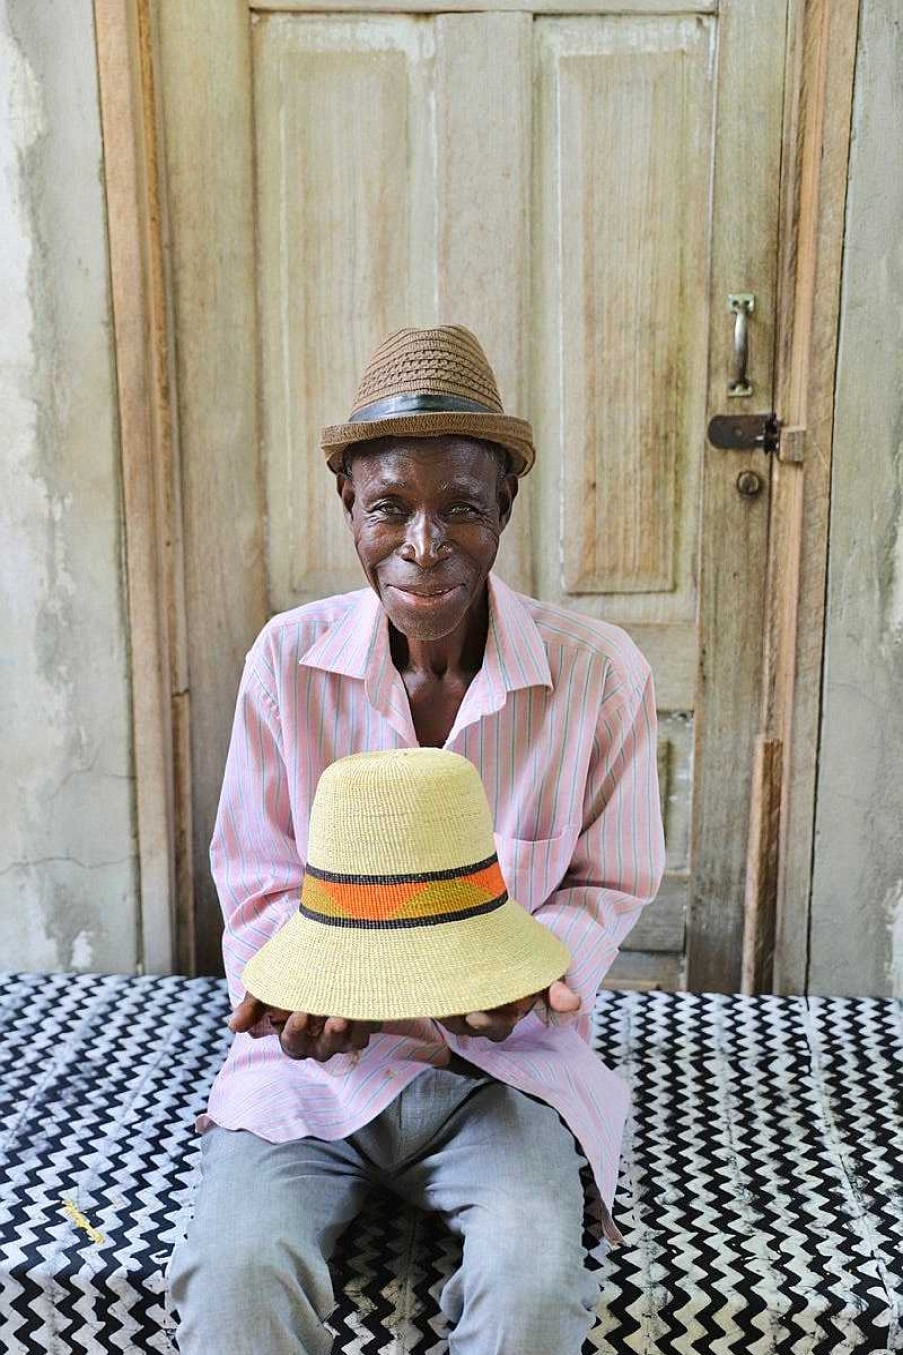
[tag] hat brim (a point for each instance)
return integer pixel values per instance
(406, 973)
(515, 435)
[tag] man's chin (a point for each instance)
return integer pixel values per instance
(424, 618)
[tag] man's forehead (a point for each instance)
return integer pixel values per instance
(381, 475)
(465, 463)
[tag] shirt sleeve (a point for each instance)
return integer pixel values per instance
(253, 854)
(619, 858)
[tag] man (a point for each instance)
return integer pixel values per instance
(483, 1116)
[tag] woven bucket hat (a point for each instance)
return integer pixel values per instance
(426, 382)
(403, 911)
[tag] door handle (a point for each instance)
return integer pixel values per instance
(742, 305)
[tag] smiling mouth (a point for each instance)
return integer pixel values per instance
(423, 593)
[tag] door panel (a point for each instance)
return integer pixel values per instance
(346, 211)
(567, 186)
(624, 151)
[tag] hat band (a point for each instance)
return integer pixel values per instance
(411, 900)
(418, 404)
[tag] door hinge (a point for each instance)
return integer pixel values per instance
(756, 433)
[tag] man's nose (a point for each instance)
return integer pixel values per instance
(425, 541)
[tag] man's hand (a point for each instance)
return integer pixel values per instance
(498, 1023)
(302, 1035)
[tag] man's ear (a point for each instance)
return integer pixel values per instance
(507, 494)
(345, 488)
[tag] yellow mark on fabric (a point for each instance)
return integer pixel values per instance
(80, 1221)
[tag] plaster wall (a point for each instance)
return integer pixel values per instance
(856, 942)
(68, 896)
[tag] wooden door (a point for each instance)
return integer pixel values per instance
(584, 191)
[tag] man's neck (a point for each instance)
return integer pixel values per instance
(458, 654)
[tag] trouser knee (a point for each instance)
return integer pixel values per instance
(244, 1295)
(518, 1294)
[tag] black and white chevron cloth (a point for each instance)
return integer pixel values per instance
(761, 1188)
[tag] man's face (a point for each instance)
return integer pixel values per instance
(426, 515)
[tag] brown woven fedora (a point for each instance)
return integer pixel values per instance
(424, 383)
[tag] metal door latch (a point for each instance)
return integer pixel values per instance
(741, 305)
(745, 432)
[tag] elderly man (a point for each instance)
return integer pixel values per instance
(484, 1116)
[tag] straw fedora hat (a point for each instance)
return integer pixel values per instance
(426, 382)
(403, 911)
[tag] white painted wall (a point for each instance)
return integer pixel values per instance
(68, 897)
(857, 905)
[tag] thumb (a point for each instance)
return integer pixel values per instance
(561, 998)
(248, 1012)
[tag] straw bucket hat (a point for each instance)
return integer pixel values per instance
(426, 382)
(403, 911)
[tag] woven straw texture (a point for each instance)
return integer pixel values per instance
(445, 360)
(403, 910)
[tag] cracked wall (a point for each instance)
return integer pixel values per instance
(68, 897)
(857, 903)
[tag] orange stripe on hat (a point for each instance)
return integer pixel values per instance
(402, 900)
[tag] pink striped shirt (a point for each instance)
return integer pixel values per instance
(560, 721)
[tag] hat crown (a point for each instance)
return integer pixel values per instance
(443, 360)
(400, 811)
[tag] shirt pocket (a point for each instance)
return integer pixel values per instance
(532, 870)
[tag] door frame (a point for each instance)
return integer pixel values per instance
(188, 588)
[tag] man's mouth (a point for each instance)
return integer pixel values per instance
(424, 594)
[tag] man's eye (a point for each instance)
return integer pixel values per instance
(463, 509)
(390, 510)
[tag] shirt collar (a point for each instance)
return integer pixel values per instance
(345, 646)
(357, 645)
(515, 653)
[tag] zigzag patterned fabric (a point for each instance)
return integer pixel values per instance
(761, 1188)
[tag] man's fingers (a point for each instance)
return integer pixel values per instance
(341, 1036)
(561, 998)
(320, 1037)
(248, 1012)
(298, 1034)
(492, 1025)
(359, 1033)
(498, 1022)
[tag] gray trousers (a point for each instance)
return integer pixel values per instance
(251, 1276)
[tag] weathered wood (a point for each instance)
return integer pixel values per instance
(152, 535)
(637, 970)
(431, 91)
(628, 7)
(793, 445)
(816, 149)
(735, 528)
(206, 109)
(661, 926)
(672, 654)
(638, 117)
(621, 243)
(346, 252)
(620, 364)
(484, 80)
(856, 924)
(513, 277)
(762, 869)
